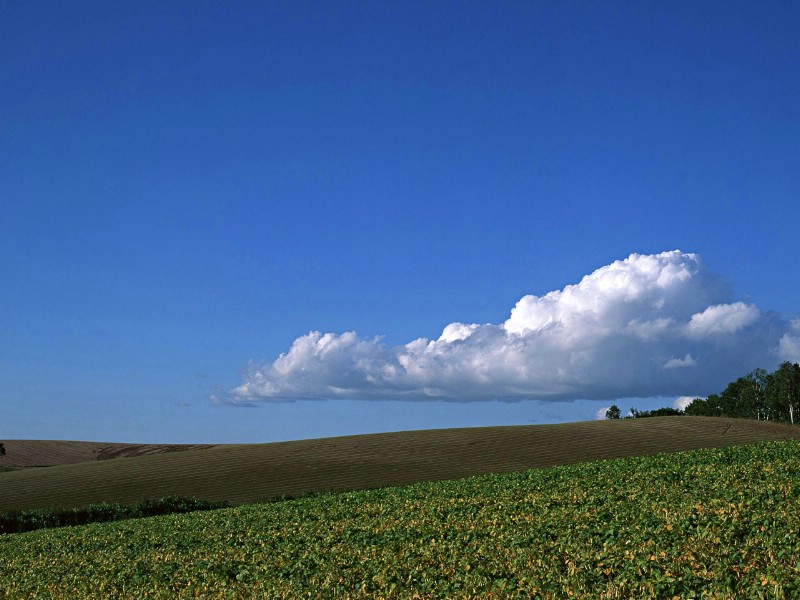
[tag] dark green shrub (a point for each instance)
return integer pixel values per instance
(40, 518)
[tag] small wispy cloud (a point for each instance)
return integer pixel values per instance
(678, 363)
(649, 325)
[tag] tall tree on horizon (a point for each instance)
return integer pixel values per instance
(756, 383)
(783, 391)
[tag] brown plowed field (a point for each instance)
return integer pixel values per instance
(24, 454)
(248, 473)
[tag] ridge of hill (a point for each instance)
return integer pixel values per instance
(26, 454)
(245, 473)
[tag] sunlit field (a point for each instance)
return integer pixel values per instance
(708, 523)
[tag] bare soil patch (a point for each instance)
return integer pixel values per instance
(26, 454)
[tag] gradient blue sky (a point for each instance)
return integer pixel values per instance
(186, 187)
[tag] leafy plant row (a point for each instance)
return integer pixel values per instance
(704, 524)
(30, 520)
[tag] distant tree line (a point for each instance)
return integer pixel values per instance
(758, 395)
(615, 413)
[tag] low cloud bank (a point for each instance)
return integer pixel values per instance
(649, 325)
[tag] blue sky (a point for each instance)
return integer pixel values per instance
(189, 188)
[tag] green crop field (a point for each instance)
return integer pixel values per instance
(717, 523)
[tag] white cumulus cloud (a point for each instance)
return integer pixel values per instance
(648, 325)
(722, 319)
(600, 413)
(682, 402)
(789, 345)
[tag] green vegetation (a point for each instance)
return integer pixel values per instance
(30, 520)
(615, 413)
(657, 412)
(712, 523)
(759, 395)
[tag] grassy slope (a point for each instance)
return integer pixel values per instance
(247, 473)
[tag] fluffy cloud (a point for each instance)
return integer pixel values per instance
(682, 402)
(789, 345)
(600, 413)
(722, 319)
(649, 325)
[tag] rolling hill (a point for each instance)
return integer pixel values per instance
(252, 472)
(26, 454)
